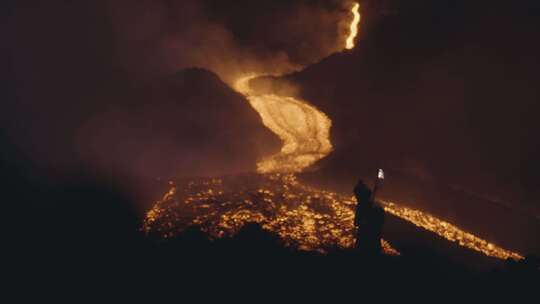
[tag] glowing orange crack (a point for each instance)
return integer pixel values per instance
(353, 31)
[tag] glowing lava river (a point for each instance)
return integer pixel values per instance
(303, 129)
(304, 217)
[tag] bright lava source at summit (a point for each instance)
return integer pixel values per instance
(354, 27)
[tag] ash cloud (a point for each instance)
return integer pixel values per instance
(230, 39)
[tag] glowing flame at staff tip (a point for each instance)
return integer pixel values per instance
(354, 27)
(380, 175)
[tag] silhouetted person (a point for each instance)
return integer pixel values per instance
(369, 220)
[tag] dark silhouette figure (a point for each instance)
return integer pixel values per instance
(369, 220)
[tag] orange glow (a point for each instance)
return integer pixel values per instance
(304, 217)
(353, 31)
(449, 231)
(303, 129)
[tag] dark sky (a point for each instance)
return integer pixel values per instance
(68, 63)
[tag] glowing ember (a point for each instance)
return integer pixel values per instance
(304, 218)
(354, 27)
(449, 231)
(303, 129)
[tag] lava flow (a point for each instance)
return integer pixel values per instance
(304, 217)
(303, 129)
(354, 27)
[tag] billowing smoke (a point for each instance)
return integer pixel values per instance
(230, 39)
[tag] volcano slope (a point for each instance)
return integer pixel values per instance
(432, 103)
(187, 124)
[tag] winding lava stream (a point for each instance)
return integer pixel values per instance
(304, 217)
(303, 129)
